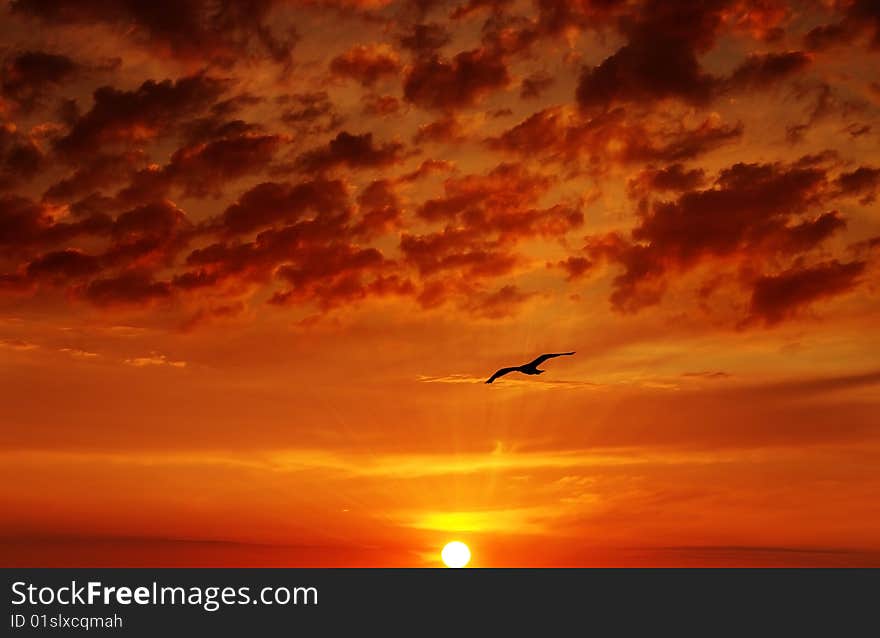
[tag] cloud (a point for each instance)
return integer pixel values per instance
(498, 304)
(439, 83)
(778, 297)
(129, 288)
(459, 251)
(188, 30)
(122, 117)
(96, 172)
(28, 75)
(659, 60)
(154, 359)
(762, 70)
(25, 224)
(535, 84)
(64, 264)
(380, 105)
(863, 182)
(309, 112)
(352, 151)
(447, 130)
(425, 39)
(270, 203)
(672, 178)
(752, 211)
(858, 18)
(615, 137)
(366, 63)
(21, 157)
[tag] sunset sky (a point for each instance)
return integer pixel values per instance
(257, 259)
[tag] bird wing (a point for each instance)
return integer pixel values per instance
(544, 357)
(501, 373)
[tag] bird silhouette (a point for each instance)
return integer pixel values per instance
(528, 368)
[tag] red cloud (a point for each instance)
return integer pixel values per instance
(21, 158)
(353, 151)
(27, 75)
(437, 83)
(270, 203)
(366, 63)
(752, 212)
(198, 30)
(64, 264)
(612, 137)
(858, 17)
(129, 116)
(778, 297)
(128, 288)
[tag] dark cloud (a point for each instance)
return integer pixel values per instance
(778, 297)
(134, 116)
(501, 303)
(862, 182)
(352, 151)
(425, 39)
(271, 203)
(672, 178)
(220, 121)
(535, 84)
(823, 102)
(473, 6)
(380, 105)
(318, 259)
(25, 224)
(555, 17)
(313, 214)
(460, 251)
(484, 217)
(381, 208)
(575, 267)
(29, 74)
(366, 63)
(612, 137)
(190, 30)
(203, 169)
(660, 59)
(95, 173)
(129, 288)
(762, 70)
(858, 18)
(148, 236)
(502, 190)
(21, 158)
(62, 265)
(752, 212)
(438, 83)
(331, 273)
(310, 112)
(211, 314)
(446, 130)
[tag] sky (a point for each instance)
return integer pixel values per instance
(257, 259)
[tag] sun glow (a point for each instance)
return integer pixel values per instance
(455, 554)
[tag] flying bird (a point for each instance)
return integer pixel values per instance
(528, 368)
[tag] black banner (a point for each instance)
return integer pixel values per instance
(235, 602)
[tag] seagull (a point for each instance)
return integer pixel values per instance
(528, 368)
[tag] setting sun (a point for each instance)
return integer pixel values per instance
(456, 554)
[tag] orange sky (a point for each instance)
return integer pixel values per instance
(255, 265)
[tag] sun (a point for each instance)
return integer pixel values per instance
(455, 554)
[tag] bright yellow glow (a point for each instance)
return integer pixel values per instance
(456, 554)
